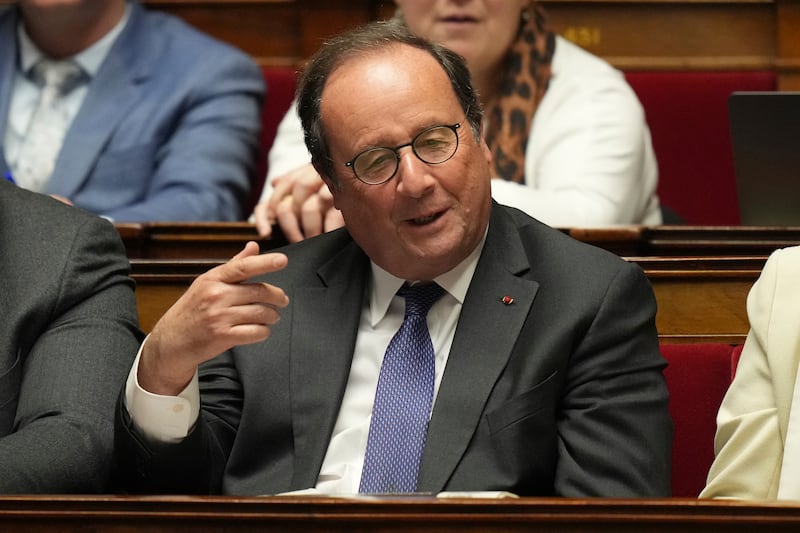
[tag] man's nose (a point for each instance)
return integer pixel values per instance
(414, 173)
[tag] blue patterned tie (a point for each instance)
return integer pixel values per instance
(403, 400)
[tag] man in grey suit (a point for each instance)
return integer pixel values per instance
(67, 337)
(548, 378)
(162, 122)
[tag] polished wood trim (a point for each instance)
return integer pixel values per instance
(716, 240)
(688, 241)
(65, 514)
(192, 240)
(221, 240)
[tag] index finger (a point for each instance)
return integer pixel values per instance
(243, 267)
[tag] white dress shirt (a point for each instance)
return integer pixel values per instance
(168, 418)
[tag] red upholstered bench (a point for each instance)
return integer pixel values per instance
(688, 117)
(698, 376)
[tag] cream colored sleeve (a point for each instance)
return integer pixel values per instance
(752, 418)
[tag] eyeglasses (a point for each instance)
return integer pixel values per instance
(433, 146)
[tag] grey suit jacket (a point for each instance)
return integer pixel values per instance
(68, 335)
(560, 393)
(169, 129)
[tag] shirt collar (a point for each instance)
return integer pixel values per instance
(89, 60)
(455, 281)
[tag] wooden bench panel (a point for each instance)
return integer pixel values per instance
(702, 299)
(274, 32)
(631, 34)
(671, 35)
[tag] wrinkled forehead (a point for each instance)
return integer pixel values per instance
(383, 79)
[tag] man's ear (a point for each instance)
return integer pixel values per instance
(332, 184)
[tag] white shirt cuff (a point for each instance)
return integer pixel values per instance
(161, 418)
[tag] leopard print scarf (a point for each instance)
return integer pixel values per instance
(527, 75)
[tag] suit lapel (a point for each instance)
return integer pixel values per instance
(112, 93)
(321, 364)
(485, 336)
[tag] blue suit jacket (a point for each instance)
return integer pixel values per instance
(169, 129)
(559, 394)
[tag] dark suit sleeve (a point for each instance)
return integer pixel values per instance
(71, 371)
(615, 434)
(194, 465)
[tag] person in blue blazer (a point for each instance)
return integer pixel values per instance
(548, 377)
(164, 124)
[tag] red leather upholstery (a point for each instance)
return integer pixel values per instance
(697, 377)
(688, 117)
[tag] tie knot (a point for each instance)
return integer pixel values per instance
(421, 297)
(62, 75)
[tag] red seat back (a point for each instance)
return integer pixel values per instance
(697, 377)
(688, 117)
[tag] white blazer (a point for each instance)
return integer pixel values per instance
(758, 426)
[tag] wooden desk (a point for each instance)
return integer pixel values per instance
(63, 514)
(700, 299)
(221, 240)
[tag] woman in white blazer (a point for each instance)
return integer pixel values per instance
(758, 426)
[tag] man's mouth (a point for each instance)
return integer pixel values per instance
(421, 221)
